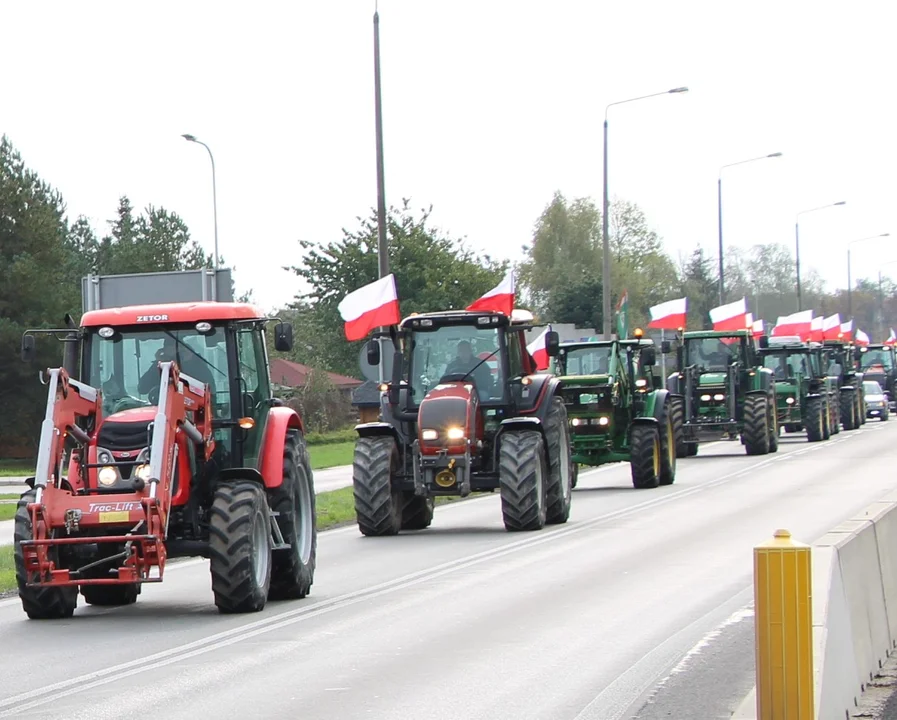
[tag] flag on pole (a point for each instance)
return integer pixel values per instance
(669, 315)
(892, 338)
(732, 316)
(861, 337)
(623, 316)
(831, 327)
(537, 349)
(846, 333)
(498, 299)
(798, 323)
(757, 328)
(372, 306)
(816, 333)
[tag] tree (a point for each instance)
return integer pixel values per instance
(433, 272)
(699, 285)
(578, 302)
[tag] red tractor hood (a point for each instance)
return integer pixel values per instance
(449, 407)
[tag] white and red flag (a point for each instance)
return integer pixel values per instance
(831, 327)
(498, 299)
(861, 338)
(847, 330)
(799, 323)
(537, 349)
(892, 338)
(669, 315)
(816, 333)
(757, 328)
(730, 317)
(372, 306)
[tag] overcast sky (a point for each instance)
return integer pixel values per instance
(489, 107)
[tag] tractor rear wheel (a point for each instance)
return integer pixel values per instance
(667, 446)
(848, 410)
(418, 512)
(677, 415)
(575, 475)
(240, 547)
(560, 484)
(756, 425)
(815, 417)
(692, 449)
(834, 417)
(826, 426)
(293, 570)
(861, 409)
(39, 603)
(523, 476)
(644, 456)
(378, 505)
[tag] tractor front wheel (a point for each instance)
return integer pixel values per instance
(756, 425)
(523, 476)
(667, 446)
(240, 547)
(677, 416)
(849, 410)
(815, 418)
(418, 512)
(560, 484)
(293, 569)
(378, 505)
(39, 603)
(773, 426)
(645, 456)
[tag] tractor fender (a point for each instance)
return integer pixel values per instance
(646, 420)
(280, 419)
(674, 383)
(654, 404)
(515, 423)
(811, 396)
(376, 429)
(541, 391)
(250, 474)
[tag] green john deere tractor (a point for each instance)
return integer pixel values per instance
(840, 357)
(616, 409)
(722, 391)
(802, 392)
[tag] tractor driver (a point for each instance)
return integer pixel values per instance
(465, 361)
(187, 360)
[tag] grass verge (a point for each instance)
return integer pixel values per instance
(7, 569)
(332, 455)
(7, 511)
(16, 468)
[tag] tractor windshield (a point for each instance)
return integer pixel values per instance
(877, 359)
(713, 353)
(587, 361)
(456, 350)
(124, 366)
(779, 364)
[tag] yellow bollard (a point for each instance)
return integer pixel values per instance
(783, 624)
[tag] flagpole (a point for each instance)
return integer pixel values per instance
(663, 359)
(382, 247)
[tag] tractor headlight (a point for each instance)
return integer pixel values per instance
(429, 435)
(789, 401)
(108, 476)
(142, 472)
(641, 382)
(719, 396)
(604, 421)
(705, 398)
(576, 422)
(455, 433)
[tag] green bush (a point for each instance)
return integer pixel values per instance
(331, 438)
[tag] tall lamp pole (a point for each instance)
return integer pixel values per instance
(849, 278)
(192, 138)
(382, 247)
(719, 206)
(797, 243)
(605, 270)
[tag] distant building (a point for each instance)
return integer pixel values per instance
(287, 374)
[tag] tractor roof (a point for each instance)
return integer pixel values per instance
(468, 317)
(631, 342)
(171, 313)
(698, 334)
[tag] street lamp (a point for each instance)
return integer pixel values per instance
(849, 279)
(719, 205)
(605, 270)
(192, 138)
(797, 242)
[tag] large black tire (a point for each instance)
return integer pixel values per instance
(417, 513)
(240, 547)
(886, 413)
(47, 603)
(378, 504)
(560, 483)
(691, 449)
(575, 475)
(644, 456)
(826, 426)
(815, 417)
(835, 415)
(110, 595)
(523, 478)
(773, 421)
(756, 425)
(667, 446)
(848, 410)
(293, 570)
(677, 416)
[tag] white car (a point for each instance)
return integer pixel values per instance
(876, 402)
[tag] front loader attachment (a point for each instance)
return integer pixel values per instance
(76, 532)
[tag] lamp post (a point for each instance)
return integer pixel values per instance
(797, 242)
(719, 206)
(605, 270)
(192, 138)
(849, 278)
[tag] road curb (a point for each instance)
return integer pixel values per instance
(747, 710)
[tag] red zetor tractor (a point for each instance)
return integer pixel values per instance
(170, 445)
(452, 425)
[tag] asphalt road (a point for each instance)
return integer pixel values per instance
(593, 619)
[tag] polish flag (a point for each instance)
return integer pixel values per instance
(537, 349)
(892, 338)
(757, 328)
(372, 306)
(815, 333)
(847, 330)
(799, 323)
(861, 338)
(831, 326)
(498, 299)
(730, 317)
(669, 315)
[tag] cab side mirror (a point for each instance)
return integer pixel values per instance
(666, 346)
(283, 337)
(29, 352)
(764, 342)
(648, 356)
(373, 350)
(552, 343)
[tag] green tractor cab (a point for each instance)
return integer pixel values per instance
(616, 409)
(722, 391)
(840, 359)
(878, 363)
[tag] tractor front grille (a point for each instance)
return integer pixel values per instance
(124, 435)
